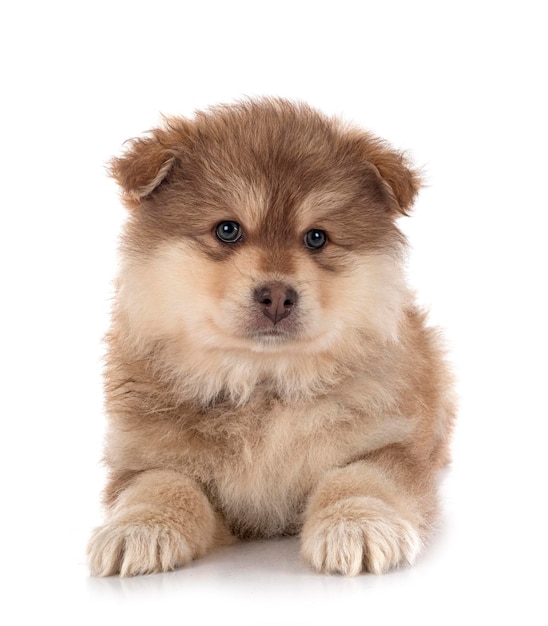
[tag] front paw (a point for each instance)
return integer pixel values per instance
(133, 548)
(358, 534)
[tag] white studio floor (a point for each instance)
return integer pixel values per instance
(479, 569)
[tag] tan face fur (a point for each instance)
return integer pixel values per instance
(294, 171)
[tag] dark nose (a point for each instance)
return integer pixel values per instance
(276, 300)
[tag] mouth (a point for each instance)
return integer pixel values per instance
(271, 334)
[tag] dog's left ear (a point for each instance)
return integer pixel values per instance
(401, 181)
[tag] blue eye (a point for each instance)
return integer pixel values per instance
(315, 239)
(228, 232)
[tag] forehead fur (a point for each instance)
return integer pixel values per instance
(277, 167)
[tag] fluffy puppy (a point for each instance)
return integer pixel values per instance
(268, 372)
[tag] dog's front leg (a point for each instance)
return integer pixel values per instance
(160, 521)
(371, 515)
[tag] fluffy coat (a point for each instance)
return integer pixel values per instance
(332, 422)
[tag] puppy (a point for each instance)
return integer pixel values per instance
(268, 372)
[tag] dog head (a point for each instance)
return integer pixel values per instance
(262, 230)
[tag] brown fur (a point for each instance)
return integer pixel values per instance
(336, 426)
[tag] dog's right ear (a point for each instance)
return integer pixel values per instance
(147, 161)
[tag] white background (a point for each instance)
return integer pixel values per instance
(461, 85)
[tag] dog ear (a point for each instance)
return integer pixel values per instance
(141, 169)
(148, 160)
(401, 181)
